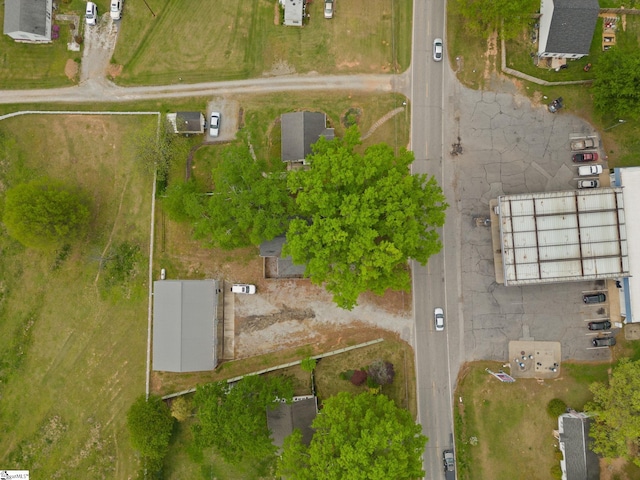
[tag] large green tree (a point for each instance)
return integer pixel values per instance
(509, 17)
(249, 202)
(616, 427)
(362, 216)
(365, 436)
(615, 88)
(45, 213)
(150, 426)
(233, 419)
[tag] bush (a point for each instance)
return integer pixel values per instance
(556, 407)
(346, 375)
(358, 377)
(381, 372)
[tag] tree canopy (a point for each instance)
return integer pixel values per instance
(615, 88)
(150, 426)
(506, 16)
(357, 437)
(45, 213)
(616, 427)
(233, 419)
(361, 217)
(249, 203)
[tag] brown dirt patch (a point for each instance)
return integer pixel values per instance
(611, 469)
(71, 69)
(114, 70)
(491, 55)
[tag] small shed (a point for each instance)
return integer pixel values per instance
(285, 418)
(187, 123)
(300, 130)
(294, 11)
(28, 21)
(185, 325)
(276, 266)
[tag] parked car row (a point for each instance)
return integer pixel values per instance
(91, 12)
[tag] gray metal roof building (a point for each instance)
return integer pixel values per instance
(184, 325)
(284, 266)
(563, 236)
(293, 12)
(579, 462)
(299, 131)
(567, 27)
(28, 20)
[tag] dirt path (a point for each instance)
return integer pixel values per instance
(99, 44)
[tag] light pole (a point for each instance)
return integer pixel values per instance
(620, 122)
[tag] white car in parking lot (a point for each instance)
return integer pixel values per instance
(587, 170)
(243, 288)
(588, 183)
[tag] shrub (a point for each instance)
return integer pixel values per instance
(381, 372)
(556, 407)
(358, 377)
(346, 375)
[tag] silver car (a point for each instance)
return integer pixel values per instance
(214, 126)
(438, 317)
(438, 48)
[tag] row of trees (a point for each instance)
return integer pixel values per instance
(353, 219)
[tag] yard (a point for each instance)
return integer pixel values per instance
(212, 41)
(75, 341)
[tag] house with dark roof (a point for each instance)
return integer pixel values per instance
(285, 418)
(187, 123)
(300, 130)
(567, 27)
(579, 462)
(185, 324)
(28, 21)
(275, 265)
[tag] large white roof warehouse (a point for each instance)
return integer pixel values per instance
(563, 236)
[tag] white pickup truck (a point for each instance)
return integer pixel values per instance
(584, 143)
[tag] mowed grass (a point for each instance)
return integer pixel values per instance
(508, 422)
(77, 355)
(24, 65)
(212, 41)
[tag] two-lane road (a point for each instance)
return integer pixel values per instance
(434, 371)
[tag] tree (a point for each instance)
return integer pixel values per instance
(181, 408)
(250, 202)
(615, 88)
(616, 427)
(509, 17)
(150, 426)
(233, 419)
(361, 218)
(357, 437)
(556, 407)
(45, 213)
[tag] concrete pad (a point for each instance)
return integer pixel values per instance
(531, 359)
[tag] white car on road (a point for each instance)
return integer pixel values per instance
(438, 48)
(438, 317)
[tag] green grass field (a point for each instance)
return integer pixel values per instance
(212, 41)
(76, 348)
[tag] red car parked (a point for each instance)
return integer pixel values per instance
(585, 157)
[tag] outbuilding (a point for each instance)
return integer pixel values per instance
(28, 21)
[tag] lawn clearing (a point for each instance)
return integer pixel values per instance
(211, 41)
(78, 358)
(503, 429)
(26, 65)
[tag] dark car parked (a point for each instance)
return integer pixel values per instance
(594, 298)
(585, 157)
(604, 342)
(606, 325)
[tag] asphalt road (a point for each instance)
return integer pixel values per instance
(431, 287)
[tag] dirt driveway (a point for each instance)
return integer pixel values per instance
(99, 44)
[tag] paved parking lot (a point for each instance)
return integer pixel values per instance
(510, 146)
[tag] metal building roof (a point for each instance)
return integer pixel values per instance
(184, 325)
(563, 236)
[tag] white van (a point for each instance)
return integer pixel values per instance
(587, 170)
(91, 14)
(116, 9)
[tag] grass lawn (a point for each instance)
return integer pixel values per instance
(503, 429)
(74, 357)
(231, 40)
(24, 65)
